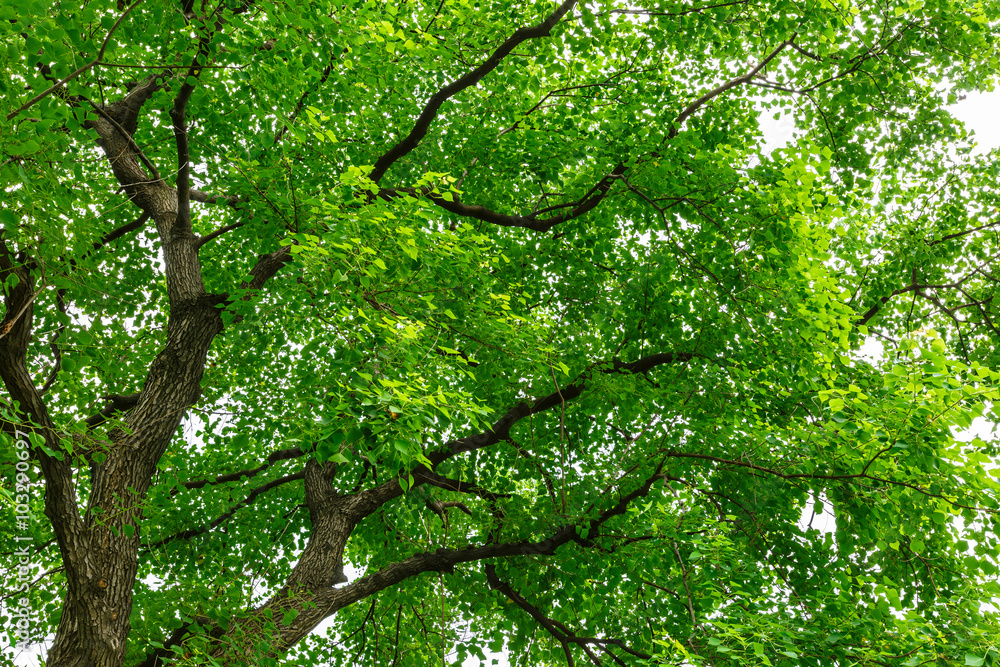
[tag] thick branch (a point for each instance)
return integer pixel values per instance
(319, 602)
(205, 198)
(267, 266)
(116, 403)
(60, 495)
(177, 115)
(366, 502)
(153, 171)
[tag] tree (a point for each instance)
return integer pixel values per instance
(501, 310)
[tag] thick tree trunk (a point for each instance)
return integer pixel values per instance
(102, 556)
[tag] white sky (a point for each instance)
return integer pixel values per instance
(979, 111)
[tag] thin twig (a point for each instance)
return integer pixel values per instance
(92, 63)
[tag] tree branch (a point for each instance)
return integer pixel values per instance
(471, 78)
(732, 83)
(116, 234)
(60, 494)
(205, 198)
(458, 486)
(453, 205)
(367, 502)
(320, 602)
(820, 476)
(267, 266)
(131, 141)
(302, 99)
(250, 499)
(547, 623)
(177, 115)
(559, 631)
(54, 343)
(116, 403)
(217, 233)
(585, 204)
(96, 61)
(274, 457)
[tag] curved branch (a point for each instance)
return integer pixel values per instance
(367, 502)
(60, 494)
(96, 61)
(323, 601)
(217, 233)
(250, 499)
(586, 203)
(274, 457)
(732, 83)
(116, 403)
(547, 623)
(561, 633)
(470, 78)
(267, 266)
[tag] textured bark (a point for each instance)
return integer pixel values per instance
(101, 551)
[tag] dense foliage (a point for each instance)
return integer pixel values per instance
(460, 327)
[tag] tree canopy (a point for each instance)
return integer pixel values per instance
(363, 333)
